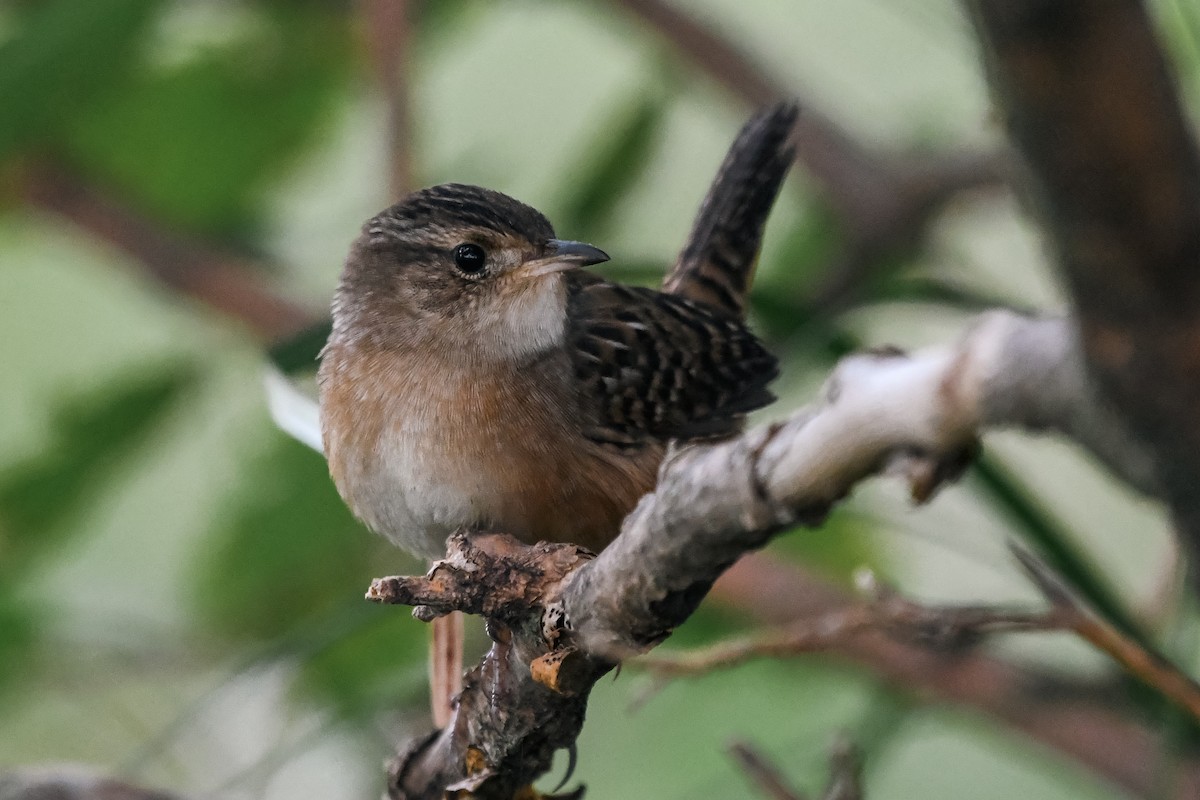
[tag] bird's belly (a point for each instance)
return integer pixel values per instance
(441, 466)
(417, 496)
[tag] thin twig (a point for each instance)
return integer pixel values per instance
(943, 627)
(805, 636)
(1146, 665)
(845, 772)
(1097, 732)
(845, 781)
(762, 773)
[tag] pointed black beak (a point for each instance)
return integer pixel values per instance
(576, 253)
(561, 256)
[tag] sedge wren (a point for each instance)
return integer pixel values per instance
(478, 377)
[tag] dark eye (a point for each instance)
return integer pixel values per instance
(470, 258)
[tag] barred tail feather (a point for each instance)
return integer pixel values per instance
(717, 262)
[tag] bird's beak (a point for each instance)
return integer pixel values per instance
(563, 255)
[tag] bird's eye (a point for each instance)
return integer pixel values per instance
(470, 258)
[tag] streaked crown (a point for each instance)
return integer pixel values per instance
(431, 214)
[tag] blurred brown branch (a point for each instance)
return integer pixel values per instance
(389, 34)
(72, 782)
(765, 776)
(884, 201)
(941, 628)
(1090, 101)
(845, 782)
(223, 281)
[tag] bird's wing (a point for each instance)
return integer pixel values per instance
(717, 262)
(654, 366)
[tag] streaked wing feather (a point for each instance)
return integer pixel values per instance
(654, 366)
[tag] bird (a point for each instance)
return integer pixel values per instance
(479, 376)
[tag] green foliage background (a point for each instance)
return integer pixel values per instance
(180, 587)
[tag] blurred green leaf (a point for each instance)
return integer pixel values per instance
(844, 542)
(883, 719)
(18, 634)
(376, 663)
(445, 17)
(299, 353)
(789, 707)
(710, 623)
(291, 566)
(1183, 34)
(777, 296)
(289, 553)
(198, 140)
(93, 433)
(594, 188)
(948, 293)
(630, 270)
(66, 55)
(1052, 541)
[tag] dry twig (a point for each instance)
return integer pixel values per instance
(845, 772)
(944, 628)
(762, 773)
(845, 781)
(941, 628)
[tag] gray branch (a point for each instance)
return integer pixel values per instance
(569, 618)
(919, 414)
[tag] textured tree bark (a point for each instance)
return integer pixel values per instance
(1090, 102)
(563, 619)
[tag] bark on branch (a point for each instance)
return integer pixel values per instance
(562, 620)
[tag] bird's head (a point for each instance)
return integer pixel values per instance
(457, 266)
